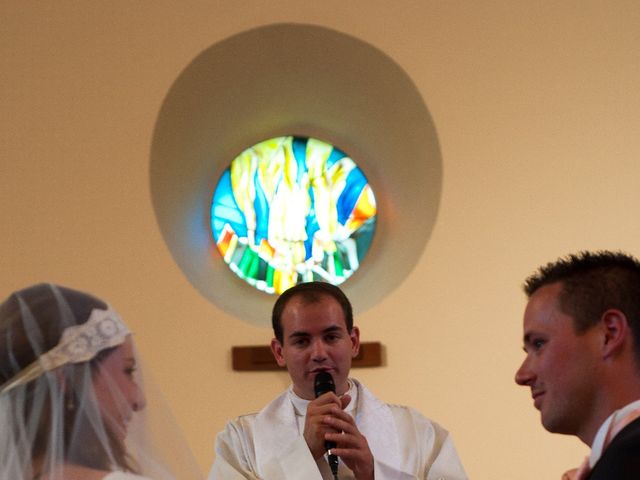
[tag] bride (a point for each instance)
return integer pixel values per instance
(72, 405)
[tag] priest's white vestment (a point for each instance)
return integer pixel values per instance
(269, 445)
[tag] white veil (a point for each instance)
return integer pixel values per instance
(72, 401)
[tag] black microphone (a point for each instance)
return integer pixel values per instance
(323, 384)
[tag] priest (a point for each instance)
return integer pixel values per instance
(347, 433)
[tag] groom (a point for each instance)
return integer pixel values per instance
(582, 340)
(314, 332)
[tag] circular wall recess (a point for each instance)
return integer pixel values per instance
(307, 81)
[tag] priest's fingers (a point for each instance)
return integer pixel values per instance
(340, 420)
(353, 450)
(314, 426)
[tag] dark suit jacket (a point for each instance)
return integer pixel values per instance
(621, 459)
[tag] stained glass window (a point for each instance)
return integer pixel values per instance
(291, 210)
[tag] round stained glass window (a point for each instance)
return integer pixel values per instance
(291, 210)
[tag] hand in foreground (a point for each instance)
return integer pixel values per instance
(314, 427)
(351, 446)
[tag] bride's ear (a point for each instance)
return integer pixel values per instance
(67, 395)
(60, 378)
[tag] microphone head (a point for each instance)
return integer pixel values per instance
(323, 383)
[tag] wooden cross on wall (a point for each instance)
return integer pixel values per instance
(260, 358)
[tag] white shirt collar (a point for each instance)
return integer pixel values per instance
(598, 442)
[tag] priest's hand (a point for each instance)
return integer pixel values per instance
(315, 428)
(351, 446)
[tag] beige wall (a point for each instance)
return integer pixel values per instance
(536, 107)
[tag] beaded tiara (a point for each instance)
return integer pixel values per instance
(79, 343)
